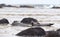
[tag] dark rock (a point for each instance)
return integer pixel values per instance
(4, 21)
(52, 34)
(9, 6)
(15, 23)
(28, 20)
(26, 6)
(1, 6)
(56, 7)
(31, 21)
(58, 29)
(37, 31)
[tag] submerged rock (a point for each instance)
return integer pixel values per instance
(47, 24)
(17, 23)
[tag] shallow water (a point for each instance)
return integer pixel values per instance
(10, 31)
(12, 14)
(42, 15)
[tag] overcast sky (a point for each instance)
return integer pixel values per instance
(30, 1)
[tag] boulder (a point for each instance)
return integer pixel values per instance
(37, 31)
(4, 21)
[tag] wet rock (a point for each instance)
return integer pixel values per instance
(31, 21)
(55, 7)
(17, 23)
(4, 21)
(47, 24)
(28, 20)
(52, 34)
(58, 29)
(2, 5)
(37, 31)
(26, 6)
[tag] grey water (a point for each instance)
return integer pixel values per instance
(11, 31)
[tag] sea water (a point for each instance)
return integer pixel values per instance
(17, 14)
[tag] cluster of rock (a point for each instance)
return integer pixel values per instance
(39, 32)
(21, 6)
(30, 6)
(36, 31)
(29, 22)
(24, 22)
